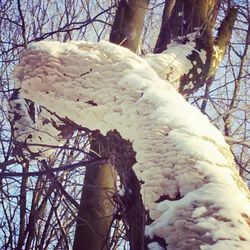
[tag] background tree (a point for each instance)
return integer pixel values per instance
(52, 202)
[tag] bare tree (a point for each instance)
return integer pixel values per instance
(42, 207)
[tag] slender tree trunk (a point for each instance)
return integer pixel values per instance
(96, 209)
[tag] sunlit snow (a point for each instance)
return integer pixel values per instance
(180, 155)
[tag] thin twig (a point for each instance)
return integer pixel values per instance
(23, 24)
(100, 161)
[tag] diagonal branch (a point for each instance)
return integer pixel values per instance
(90, 163)
(222, 40)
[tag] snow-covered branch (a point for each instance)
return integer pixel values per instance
(47, 130)
(191, 187)
(174, 63)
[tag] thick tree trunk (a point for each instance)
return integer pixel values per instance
(193, 20)
(180, 18)
(183, 17)
(128, 23)
(190, 183)
(126, 31)
(131, 210)
(95, 214)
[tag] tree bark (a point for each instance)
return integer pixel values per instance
(96, 209)
(190, 184)
(180, 19)
(128, 23)
(126, 31)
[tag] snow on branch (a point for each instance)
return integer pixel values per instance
(47, 130)
(191, 187)
(176, 63)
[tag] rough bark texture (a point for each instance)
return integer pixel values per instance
(126, 31)
(132, 209)
(128, 23)
(184, 17)
(180, 18)
(95, 213)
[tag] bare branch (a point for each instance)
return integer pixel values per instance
(52, 170)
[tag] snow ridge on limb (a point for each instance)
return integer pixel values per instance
(185, 21)
(34, 139)
(174, 63)
(191, 187)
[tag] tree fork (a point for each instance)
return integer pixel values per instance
(183, 17)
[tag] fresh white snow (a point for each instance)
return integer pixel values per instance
(179, 153)
(172, 63)
(40, 136)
